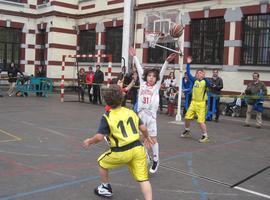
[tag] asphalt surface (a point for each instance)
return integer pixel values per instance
(41, 156)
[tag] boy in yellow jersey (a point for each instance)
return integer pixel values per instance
(198, 102)
(121, 127)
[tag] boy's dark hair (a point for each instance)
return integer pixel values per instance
(152, 70)
(256, 73)
(112, 95)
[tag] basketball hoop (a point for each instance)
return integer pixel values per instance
(153, 37)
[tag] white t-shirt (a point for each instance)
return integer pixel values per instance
(148, 97)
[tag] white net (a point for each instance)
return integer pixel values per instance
(152, 38)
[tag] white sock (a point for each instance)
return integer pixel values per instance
(155, 152)
(188, 129)
(205, 134)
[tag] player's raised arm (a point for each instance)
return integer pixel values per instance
(137, 62)
(170, 58)
(189, 60)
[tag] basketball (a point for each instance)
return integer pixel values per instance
(176, 31)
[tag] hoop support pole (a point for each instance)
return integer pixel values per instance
(179, 52)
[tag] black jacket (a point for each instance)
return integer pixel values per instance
(98, 77)
(217, 85)
(12, 74)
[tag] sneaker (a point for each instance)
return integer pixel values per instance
(104, 191)
(154, 167)
(258, 127)
(204, 139)
(186, 133)
(246, 125)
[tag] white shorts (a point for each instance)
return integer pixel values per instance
(150, 123)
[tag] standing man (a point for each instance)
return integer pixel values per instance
(254, 90)
(98, 80)
(40, 73)
(198, 102)
(217, 86)
(12, 78)
(89, 83)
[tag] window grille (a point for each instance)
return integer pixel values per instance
(114, 43)
(207, 40)
(87, 44)
(256, 40)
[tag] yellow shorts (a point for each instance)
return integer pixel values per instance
(135, 158)
(197, 108)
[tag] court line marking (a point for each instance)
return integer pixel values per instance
(16, 138)
(57, 186)
(252, 192)
(214, 181)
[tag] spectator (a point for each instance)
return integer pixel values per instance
(171, 96)
(12, 78)
(254, 89)
(89, 82)
(216, 87)
(98, 80)
(81, 83)
(187, 90)
(40, 73)
(170, 81)
(134, 89)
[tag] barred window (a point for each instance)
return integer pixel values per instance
(10, 42)
(114, 43)
(159, 55)
(256, 40)
(207, 40)
(87, 43)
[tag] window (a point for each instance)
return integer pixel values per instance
(10, 42)
(256, 40)
(159, 55)
(207, 40)
(114, 43)
(87, 44)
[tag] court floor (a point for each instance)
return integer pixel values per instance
(41, 156)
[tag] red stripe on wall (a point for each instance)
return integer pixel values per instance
(22, 53)
(196, 14)
(217, 13)
(88, 7)
(103, 38)
(22, 67)
(31, 31)
(187, 33)
(137, 45)
(227, 31)
(251, 9)
(30, 62)
(59, 63)
(238, 30)
(186, 54)
(33, 6)
(226, 55)
(62, 46)
(2, 23)
(16, 25)
(23, 38)
(65, 5)
(114, 2)
(237, 51)
(31, 46)
(139, 26)
(63, 30)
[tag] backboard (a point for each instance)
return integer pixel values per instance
(160, 22)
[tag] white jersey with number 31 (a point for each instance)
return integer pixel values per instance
(148, 97)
